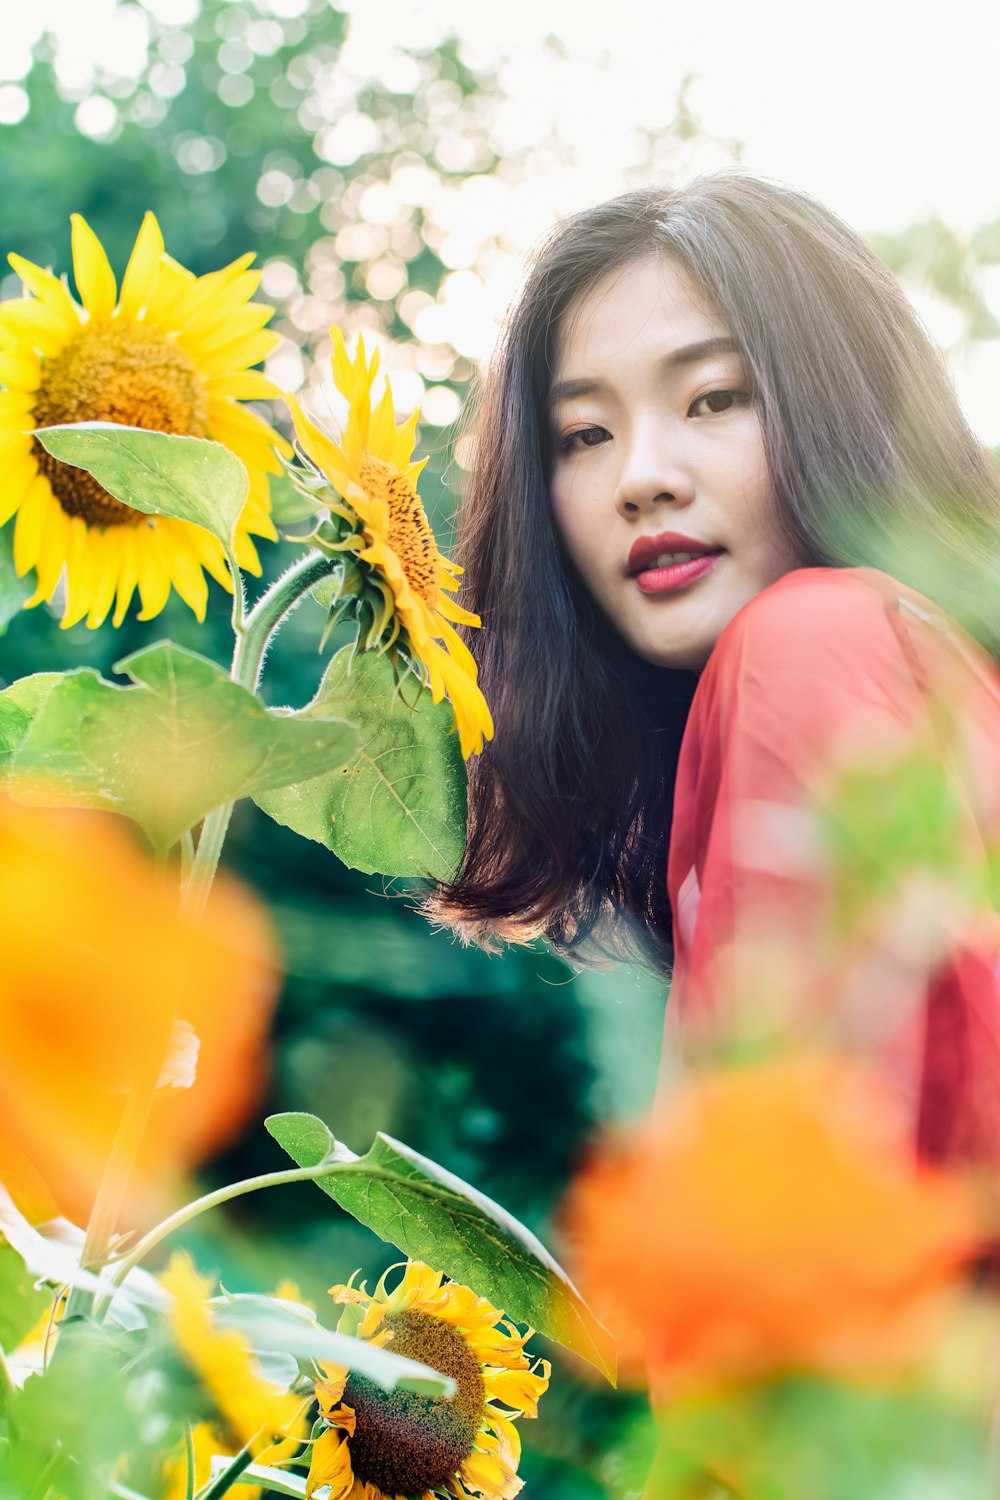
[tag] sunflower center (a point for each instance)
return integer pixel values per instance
(115, 373)
(405, 1443)
(410, 535)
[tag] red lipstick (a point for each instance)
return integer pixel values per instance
(673, 575)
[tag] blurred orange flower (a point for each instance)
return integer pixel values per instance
(770, 1219)
(107, 983)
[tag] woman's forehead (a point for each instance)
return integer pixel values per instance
(650, 308)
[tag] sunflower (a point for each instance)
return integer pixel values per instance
(398, 576)
(170, 353)
(376, 1445)
(252, 1410)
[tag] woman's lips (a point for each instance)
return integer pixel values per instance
(678, 575)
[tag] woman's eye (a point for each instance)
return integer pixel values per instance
(583, 437)
(717, 401)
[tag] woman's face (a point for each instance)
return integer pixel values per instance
(660, 482)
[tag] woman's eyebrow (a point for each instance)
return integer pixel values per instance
(687, 354)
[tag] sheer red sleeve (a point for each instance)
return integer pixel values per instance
(832, 674)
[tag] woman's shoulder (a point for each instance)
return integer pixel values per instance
(812, 610)
(820, 639)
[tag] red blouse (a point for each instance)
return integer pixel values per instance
(822, 706)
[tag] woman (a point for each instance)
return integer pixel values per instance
(724, 515)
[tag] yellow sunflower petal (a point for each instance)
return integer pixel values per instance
(171, 282)
(419, 1288)
(81, 573)
(21, 474)
(338, 1415)
(323, 451)
(20, 368)
(453, 611)
(107, 555)
(519, 1389)
(128, 575)
(26, 321)
(246, 554)
(382, 430)
(474, 723)
(507, 1435)
(188, 578)
(246, 433)
(246, 350)
(30, 524)
(207, 294)
(214, 312)
(502, 1345)
(15, 447)
(456, 647)
(487, 1474)
(330, 1389)
(16, 411)
(331, 1464)
(49, 290)
(237, 320)
(140, 273)
(211, 556)
(244, 385)
(51, 555)
(154, 573)
(95, 280)
(399, 448)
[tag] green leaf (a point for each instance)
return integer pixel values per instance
(306, 1139)
(21, 1303)
(166, 751)
(13, 590)
(79, 1408)
(158, 473)
(271, 1328)
(274, 1481)
(18, 706)
(399, 807)
(48, 1258)
(434, 1216)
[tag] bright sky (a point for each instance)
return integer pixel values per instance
(885, 109)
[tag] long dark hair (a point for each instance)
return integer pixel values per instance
(872, 462)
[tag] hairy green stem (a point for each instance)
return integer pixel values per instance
(212, 1200)
(252, 640)
(239, 593)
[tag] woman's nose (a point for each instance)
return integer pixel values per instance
(653, 470)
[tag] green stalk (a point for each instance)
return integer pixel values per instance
(44, 1481)
(7, 1388)
(225, 1194)
(253, 637)
(114, 1183)
(228, 1477)
(189, 1456)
